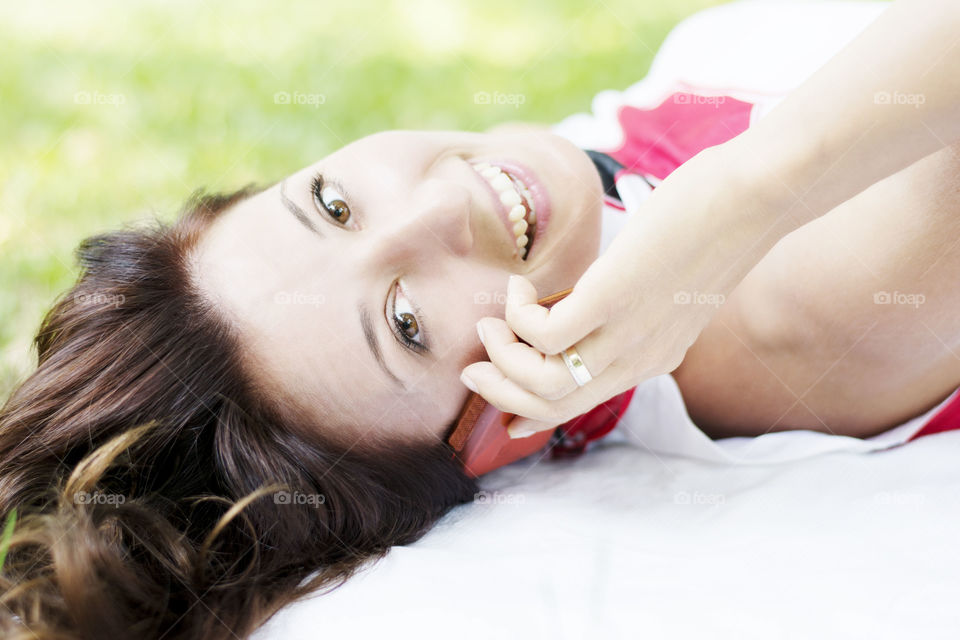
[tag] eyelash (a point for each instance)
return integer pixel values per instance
(316, 188)
(398, 330)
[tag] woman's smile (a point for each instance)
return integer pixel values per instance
(521, 201)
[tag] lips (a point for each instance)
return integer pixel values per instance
(519, 200)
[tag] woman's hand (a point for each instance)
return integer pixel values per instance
(635, 311)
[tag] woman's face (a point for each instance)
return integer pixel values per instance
(356, 282)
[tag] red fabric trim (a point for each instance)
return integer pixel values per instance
(590, 426)
(613, 204)
(946, 419)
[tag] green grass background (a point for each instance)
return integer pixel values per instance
(181, 96)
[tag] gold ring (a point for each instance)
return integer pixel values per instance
(581, 375)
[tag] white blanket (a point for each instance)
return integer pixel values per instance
(622, 543)
(631, 541)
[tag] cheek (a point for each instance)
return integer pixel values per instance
(461, 347)
(439, 399)
(486, 294)
(453, 394)
(462, 344)
(464, 293)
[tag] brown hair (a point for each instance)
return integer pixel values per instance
(159, 491)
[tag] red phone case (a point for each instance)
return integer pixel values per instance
(489, 447)
(486, 445)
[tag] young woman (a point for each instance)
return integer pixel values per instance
(244, 406)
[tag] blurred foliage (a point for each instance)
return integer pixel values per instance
(114, 111)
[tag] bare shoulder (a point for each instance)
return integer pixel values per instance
(848, 325)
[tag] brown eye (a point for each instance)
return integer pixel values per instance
(328, 199)
(403, 316)
(407, 323)
(337, 208)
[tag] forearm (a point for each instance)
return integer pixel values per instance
(888, 99)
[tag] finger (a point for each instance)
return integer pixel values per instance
(507, 396)
(549, 331)
(521, 427)
(504, 394)
(546, 376)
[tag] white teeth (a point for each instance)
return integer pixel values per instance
(510, 193)
(516, 197)
(501, 182)
(525, 193)
(510, 198)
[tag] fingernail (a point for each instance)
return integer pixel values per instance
(520, 433)
(468, 383)
(480, 333)
(512, 295)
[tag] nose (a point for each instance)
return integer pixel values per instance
(434, 222)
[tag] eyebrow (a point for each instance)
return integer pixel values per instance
(297, 212)
(374, 344)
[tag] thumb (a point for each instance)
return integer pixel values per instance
(521, 427)
(552, 330)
